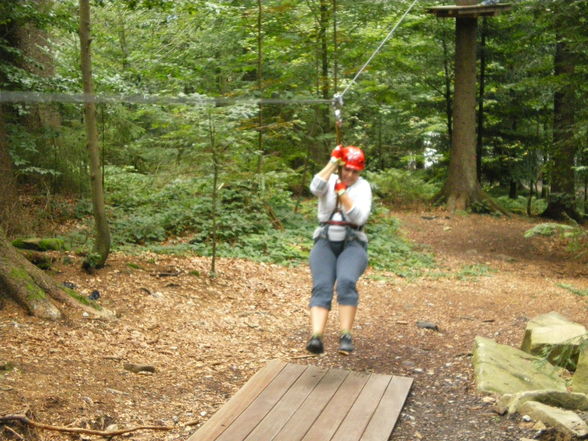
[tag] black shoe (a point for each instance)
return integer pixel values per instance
(346, 344)
(315, 345)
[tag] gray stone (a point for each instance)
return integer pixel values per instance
(555, 337)
(506, 370)
(562, 420)
(580, 379)
(511, 403)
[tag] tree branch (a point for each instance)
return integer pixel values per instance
(25, 420)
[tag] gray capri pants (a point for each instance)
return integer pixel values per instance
(342, 262)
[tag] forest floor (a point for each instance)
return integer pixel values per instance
(206, 337)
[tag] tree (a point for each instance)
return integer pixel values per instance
(102, 242)
(462, 188)
(38, 293)
(8, 193)
(562, 199)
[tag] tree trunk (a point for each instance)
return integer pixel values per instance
(102, 243)
(9, 208)
(260, 146)
(462, 188)
(41, 120)
(481, 97)
(448, 99)
(40, 295)
(324, 74)
(562, 199)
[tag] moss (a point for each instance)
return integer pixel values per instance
(33, 291)
(83, 300)
(18, 243)
(35, 244)
(51, 244)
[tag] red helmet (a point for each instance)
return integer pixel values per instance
(354, 158)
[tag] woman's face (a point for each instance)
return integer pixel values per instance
(349, 176)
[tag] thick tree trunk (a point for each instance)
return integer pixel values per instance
(42, 120)
(481, 97)
(462, 189)
(40, 295)
(448, 98)
(562, 199)
(8, 206)
(102, 243)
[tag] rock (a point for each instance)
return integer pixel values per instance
(427, 325)
(505, 370)
(562, 420)
(137, 368)
(580, 379)
(555, 337)
(511, 403)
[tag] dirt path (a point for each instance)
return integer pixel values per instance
(206, 338)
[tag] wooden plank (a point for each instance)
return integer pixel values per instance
(288, 402)
(238, 403)
(362, 410)
(384, 419)
(330, 418)
(275, 420)
(264, 403)
(308, 412)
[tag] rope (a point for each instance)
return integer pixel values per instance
(42, 97)
(340, 96)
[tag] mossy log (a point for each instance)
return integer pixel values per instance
(38, 293)
(39, 244)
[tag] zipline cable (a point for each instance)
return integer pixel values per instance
(341, 95)
(43, 97)
(337, 101)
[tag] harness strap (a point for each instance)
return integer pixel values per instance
(343, 224)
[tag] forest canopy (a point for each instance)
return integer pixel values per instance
(226, 108)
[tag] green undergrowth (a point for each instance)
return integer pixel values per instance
(465, 273)
(261, 222)
(577, 291)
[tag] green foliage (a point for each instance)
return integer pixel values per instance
(577, 291)
(390, 252)
(519, 205)
(402, 188)
(574, 235)
(474, 271)
(174, 217)
(549, 229)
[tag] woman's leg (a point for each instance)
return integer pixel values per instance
(351, 264)
(323, 267)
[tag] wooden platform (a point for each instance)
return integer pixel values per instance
(469, 11)
(290, 402)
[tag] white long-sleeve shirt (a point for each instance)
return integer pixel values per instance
(361, 195)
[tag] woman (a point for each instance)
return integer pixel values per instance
(339, 255)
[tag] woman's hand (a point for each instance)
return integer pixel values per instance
(338, 155)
